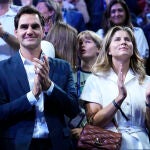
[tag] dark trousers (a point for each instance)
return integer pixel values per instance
(40, 144)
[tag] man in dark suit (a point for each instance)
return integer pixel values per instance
(35, 93)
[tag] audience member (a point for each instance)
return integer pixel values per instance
(117, 13)
(119, 83)
(95, 9)
(8, 43)
(135, 6)
(24, 2)
(80, 5)
(51, 12)
(35, 92)
(64, 38)
(72, 17)
(144, 18)
(146, 28)
(89, 47)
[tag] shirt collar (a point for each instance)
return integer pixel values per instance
(27, 61)
(113, 76)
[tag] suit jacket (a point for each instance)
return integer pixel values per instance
(17, 114)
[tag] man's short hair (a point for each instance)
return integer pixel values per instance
(28, 10)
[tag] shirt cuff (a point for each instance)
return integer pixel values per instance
(49, 91)
(31, 98)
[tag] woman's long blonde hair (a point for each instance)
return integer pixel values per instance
(104, 60)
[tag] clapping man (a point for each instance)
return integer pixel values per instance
(35, 92)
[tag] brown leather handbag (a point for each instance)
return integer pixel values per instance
(95, 138)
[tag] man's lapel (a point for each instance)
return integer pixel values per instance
(20, 73)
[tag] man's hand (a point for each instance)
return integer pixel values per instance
(42, 70)
(37, 88)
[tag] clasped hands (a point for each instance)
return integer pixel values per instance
(42, 81)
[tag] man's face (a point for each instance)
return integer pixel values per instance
(29, 32)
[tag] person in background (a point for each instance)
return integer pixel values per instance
(24, 2)
(143, 18)
(146, 29)
(89, 48)
(117, 13)
(64, 38)
(73, 17)
(32, 113)
(89, 45)
(8, 43)
(80, 5)
(118, 90)
(51, 12)
(96, 9)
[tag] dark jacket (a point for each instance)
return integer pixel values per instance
(17, 115)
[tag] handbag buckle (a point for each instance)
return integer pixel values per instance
(97, 141)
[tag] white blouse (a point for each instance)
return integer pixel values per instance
(103, 89)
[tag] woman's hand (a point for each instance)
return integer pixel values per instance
(121, 87)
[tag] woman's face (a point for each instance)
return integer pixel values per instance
(117, 14)
(121, 45)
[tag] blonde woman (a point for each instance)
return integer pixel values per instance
(118, 90)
